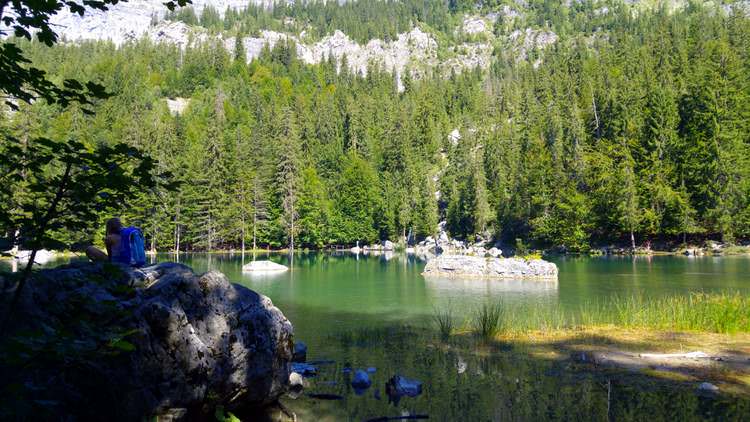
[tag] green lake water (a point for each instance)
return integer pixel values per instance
(325, 294)
(362, 312)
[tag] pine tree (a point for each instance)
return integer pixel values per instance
(288, 173)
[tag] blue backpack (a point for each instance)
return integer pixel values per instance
(132, 251)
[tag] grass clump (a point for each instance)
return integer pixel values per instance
(444, 320)
(488, 321)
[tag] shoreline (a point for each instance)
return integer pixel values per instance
(743, 251)
(684, 357)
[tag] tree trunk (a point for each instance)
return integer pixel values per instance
(177, 231)
(209, 231)
(291, 247)
(596, 115)
(255, 224)
(44, 221)
(632, 240)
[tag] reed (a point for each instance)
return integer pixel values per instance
(489, 320)
(445, 320)
(724, 313)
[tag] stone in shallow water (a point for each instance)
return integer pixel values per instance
(296, 385)
(300, 352)
(264, 266)
(707, 387)
(304, 369)
(361, 381)
(398, 387)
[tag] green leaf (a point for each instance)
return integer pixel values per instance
(123, 345)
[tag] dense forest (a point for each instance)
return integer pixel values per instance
(632, 126)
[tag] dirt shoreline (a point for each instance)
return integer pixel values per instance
(687, 358)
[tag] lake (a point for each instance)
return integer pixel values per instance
(376, 311)
(325, 294)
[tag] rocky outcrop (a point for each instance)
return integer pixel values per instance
(414, 51)
(442, 243)
(523, 42)
(177, 105)
(127, 21)
(478, 267)
(141, 342)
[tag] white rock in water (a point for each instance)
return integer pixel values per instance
(480, 267)
(264, 266)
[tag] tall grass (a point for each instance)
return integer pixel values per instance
(444, 320)
(489, 320)
(718, 313)
(724, 313)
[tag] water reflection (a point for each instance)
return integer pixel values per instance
(442, 286)
(263, 276)
(463, 383)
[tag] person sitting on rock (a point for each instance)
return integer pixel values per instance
(112, 241)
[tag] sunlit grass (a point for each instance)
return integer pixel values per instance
(718, 313)
(723, 313)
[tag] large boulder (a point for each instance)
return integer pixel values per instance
(153, 340)
(480, 267)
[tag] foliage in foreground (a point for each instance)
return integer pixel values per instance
(724, 313)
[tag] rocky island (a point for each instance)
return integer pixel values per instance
(467, 266)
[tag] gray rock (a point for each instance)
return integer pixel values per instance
(479, 267)
(387, 245)
(195, 340)
(494, 252)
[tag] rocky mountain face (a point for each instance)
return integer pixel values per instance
(130, 20)
(416, 51)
